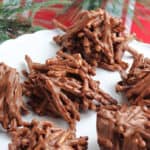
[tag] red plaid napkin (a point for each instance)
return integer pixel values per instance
(44, 16)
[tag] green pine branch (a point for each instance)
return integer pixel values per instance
(11, 26)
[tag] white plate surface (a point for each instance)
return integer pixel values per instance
(40, 46)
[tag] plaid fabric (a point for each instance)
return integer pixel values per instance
(44, 16)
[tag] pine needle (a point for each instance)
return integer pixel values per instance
(11, 27)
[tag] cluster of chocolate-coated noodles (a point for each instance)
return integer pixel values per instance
(124, 127)
(63, 86)
(11, 104)
(128, 127)
(45, 136)
(136, 84)
(98, 37)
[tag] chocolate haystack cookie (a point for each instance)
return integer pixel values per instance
(124, 127)
(45, 136)
(98, 37)
(63, 86)
(136, 84)
(11, 103)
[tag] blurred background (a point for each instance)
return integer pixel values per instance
(24, 16)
